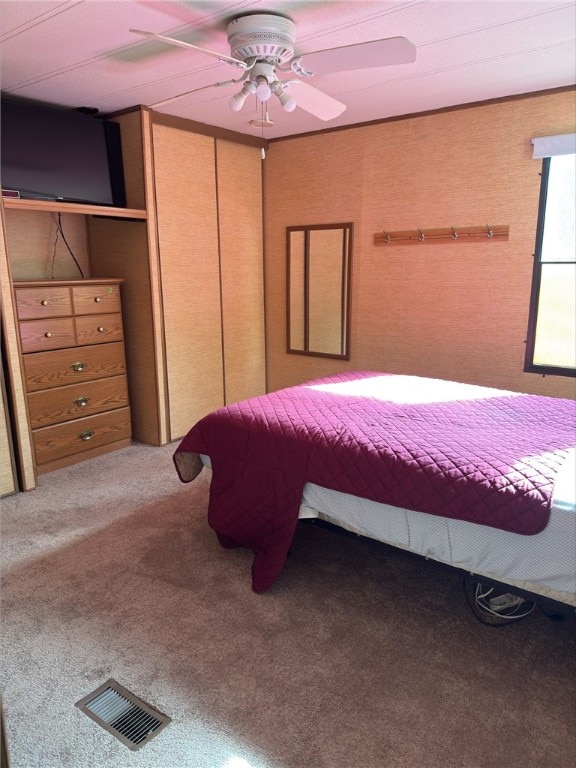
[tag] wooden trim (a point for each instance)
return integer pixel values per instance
(307, 290)
(183, 124)
(220, 286)
(125, 111)
(348, 283)
(264, 276)
(15, 384)
(156, 298)
(429, 112)
(345, 303)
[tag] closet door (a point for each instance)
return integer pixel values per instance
(184, 172)
(239, 173)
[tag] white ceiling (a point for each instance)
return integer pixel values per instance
(81, 53)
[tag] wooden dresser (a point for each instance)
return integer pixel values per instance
(75, 369)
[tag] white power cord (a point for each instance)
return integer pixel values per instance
(498, 610)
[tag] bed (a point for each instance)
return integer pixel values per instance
(478, 478)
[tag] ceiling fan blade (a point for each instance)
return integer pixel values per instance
(220, 56)
(194, 90)
(315, 102)
(376, 53)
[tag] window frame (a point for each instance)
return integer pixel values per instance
(529, 365)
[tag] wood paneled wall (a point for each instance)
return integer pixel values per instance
(38, 250)
(120, 249)
(455, 311)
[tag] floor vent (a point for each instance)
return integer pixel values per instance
(124, 715)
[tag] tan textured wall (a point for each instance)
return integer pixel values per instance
(456, 311)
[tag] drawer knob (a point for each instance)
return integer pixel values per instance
(78, 366)
(101, 329)
(82, 401)
(86, 435)
(48, 335)
(97, 298)
(44, 302)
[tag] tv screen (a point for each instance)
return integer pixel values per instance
(54, 154)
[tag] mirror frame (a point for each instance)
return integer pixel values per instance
(347, 247)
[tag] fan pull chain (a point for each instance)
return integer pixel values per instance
(262, 150)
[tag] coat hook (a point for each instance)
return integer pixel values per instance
(490, 233)
(387, 237)
(454, 234)
(421, 236)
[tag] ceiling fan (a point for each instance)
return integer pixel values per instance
(262, 46)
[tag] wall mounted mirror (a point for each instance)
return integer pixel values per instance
(319, 261)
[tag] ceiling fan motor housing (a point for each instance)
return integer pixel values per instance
(262, 36)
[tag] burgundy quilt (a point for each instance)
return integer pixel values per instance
(457, 450)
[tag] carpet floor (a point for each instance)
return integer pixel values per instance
(359, 656)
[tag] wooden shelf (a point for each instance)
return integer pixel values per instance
(57, 206)
(79, 281)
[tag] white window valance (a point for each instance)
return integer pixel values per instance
(550, 146)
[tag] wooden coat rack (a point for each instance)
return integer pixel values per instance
(446, 235)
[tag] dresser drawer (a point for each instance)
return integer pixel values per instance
(98, 329)
(76, 401)
(51, 333)
(49, 301)
(62, 440)
(95, 299)
(43, 370)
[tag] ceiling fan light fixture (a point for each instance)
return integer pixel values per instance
(237, 101)
(263, 90)
(288, 103)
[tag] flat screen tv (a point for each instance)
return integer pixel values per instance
(56, 154)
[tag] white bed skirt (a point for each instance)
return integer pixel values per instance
(544, 563)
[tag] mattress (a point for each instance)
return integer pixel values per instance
(544, 563)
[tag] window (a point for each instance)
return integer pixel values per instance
(551, 341)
